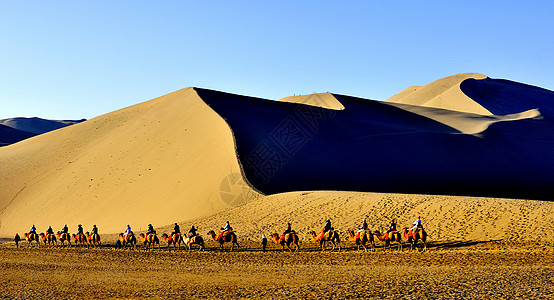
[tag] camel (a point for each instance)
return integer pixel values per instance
(229, 237)
(49, 239)
(64, 237)
(362, 239)
(80, 239)
(149, 240)
(31, 238)
(290, 238)
(129, 239)
(195, 240)
(93, 239)
(393, 236)
(333, 237)
(175, 239)
(420, 235)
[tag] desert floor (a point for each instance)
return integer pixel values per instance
(447, 270)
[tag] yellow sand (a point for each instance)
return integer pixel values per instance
(157, 162)
(444, 93)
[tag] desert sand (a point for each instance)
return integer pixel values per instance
(476, 171)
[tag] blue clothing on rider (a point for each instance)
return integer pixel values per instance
(128, 230)
(227, 227)
(33, 229)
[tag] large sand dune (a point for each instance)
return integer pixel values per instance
(157, 162)
(37, 125)
(9, 135)
(174, 159)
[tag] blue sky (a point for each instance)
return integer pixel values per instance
(77, 59)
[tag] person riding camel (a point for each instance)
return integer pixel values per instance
(416, 225)
(128, 231)
(288, 230)
(192, 232)
(327, 228)
(49, 231)
(150, 230)
(65, 229)
(176, 230)
(225, 230)
(392, 226)
(80, 229)
(363, 227)
(33, 229)
(94, 229)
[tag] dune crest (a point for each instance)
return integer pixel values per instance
(324, 100)
(444, 93)
(160, 161)
(466, 123)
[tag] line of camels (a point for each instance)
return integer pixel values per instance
(363, 239)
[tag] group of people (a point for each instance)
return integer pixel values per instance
(417, 224)
(176, 230)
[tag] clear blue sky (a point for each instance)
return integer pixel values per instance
(81, 59)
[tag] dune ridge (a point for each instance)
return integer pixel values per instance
(443, 93)
(204, 156)
(157, 162)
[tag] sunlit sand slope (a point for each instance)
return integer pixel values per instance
(161, 161)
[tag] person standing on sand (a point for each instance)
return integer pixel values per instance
(16, 239)
(264, 242)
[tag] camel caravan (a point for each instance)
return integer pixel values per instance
(363, 238)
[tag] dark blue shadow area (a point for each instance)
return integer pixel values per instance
(374, 147)
(502, 97)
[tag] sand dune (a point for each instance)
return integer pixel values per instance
(37, 125)
(160, 161)
(385, 147)
(9, 135)
(443, 93)
(174, 159)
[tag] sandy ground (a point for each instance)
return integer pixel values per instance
(446, 270)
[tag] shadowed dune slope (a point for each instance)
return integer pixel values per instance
(157, 162)
(377, 147)
(9, 135)
(37, 125)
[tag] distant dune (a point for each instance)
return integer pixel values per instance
(37, 125)
(204, 156)
(9, 135)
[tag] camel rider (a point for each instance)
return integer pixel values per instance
(94, 230)
(176, 229)
(363, 227)
(227, 227)
(80, 229)
(65, 229)
(416, 224)
(288, 230)
(328, 226)
(49, 230)
(392, 226)
(150, 229)
(192, 232)
(127, 231)
(33, 229)
(225, 230)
